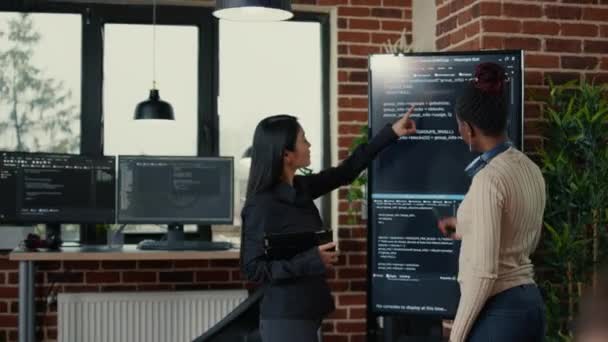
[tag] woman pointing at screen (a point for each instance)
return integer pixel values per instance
(499, 222)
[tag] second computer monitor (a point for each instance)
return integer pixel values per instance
(175, 190)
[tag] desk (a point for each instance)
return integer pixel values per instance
(27, 310)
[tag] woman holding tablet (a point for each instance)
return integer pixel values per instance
(297, 296)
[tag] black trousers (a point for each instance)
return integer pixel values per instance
(517, 314)
(288, 330)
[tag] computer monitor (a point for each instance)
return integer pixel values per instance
(175, 190)
(56, 188)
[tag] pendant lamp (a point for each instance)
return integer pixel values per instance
(154, 108)
(253, 10)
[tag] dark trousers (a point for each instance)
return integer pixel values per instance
(517, 314)
(287, 330)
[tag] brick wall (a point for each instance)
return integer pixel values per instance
(562, 39)
(363, 25)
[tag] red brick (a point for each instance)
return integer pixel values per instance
(355, 102)
(349, 129)
(357, 313)
(358, 338)
(191, 263)
(532, 110)
(139, 277)
(541, 27)
(491, 42)
(443, 12)
(352, 273)
(396, 25)
(447, 25)
(176, 277)
(81, 265)
(225, 263)
(8, 292)
(363, 24)
(236, 275)
(595, 14)
(212, 275)
(352, 116)
(473, 28)
(561, 77)
(358, 76)
(397, 3)
(327, 327)
(585, 30)
(61, 277)
(595, 46)
(387, 13)
(604, 64)
(351, 299)
(533, 143)
(363, 50)
(118, 288)
(563, 12)
(563, 45)
(338, 286)
(351, 62)
(3, 307)
(339, 314)
(155, 264)
(366, 2)
(359, 233)
(487, 9)
(49, 266)
(541, 61)
(102, 277)
(350, 327)
(332, 2)
(604, 31)
(353, 246)
(596, 78)
(533, 77)
(442, 42)
(381, 38)
(8, 321)
(349, 89)
(521, 10)
(358, 285)
(80, 288)
(457, 37)
(353, 12)
(537, 93)
(118, 265)
(6, 264)
(356, 37)
(335, 338)
(154, 287)
(51, 334)
(464, 17)
(501, 25)
(357, 259)
(574, 62)
(528, 44)
(535, 127)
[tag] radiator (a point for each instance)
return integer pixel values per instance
(142, 316)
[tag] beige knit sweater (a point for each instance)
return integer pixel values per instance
(500, 221)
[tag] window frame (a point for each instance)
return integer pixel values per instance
(95, 16)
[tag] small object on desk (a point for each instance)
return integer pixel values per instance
(287, 245)
(184, 245)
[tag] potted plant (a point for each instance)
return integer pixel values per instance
(574, 161)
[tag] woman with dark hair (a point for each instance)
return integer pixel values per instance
(296, 296)
(499, 222)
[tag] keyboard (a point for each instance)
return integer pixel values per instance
(185, 245)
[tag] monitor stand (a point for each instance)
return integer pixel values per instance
(53, 236)
(175, 236)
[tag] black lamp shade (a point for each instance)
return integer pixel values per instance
(253, 10)
(154, 108)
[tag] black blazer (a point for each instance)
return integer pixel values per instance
(297, 288)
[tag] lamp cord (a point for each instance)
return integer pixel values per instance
(153, 44)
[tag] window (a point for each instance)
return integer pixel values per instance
(267, 69)
(129, 47)
(40, 82)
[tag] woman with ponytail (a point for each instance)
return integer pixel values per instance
(499, 222)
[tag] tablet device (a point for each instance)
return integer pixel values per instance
(287, 245)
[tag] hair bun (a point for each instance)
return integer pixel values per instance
(489, 78)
